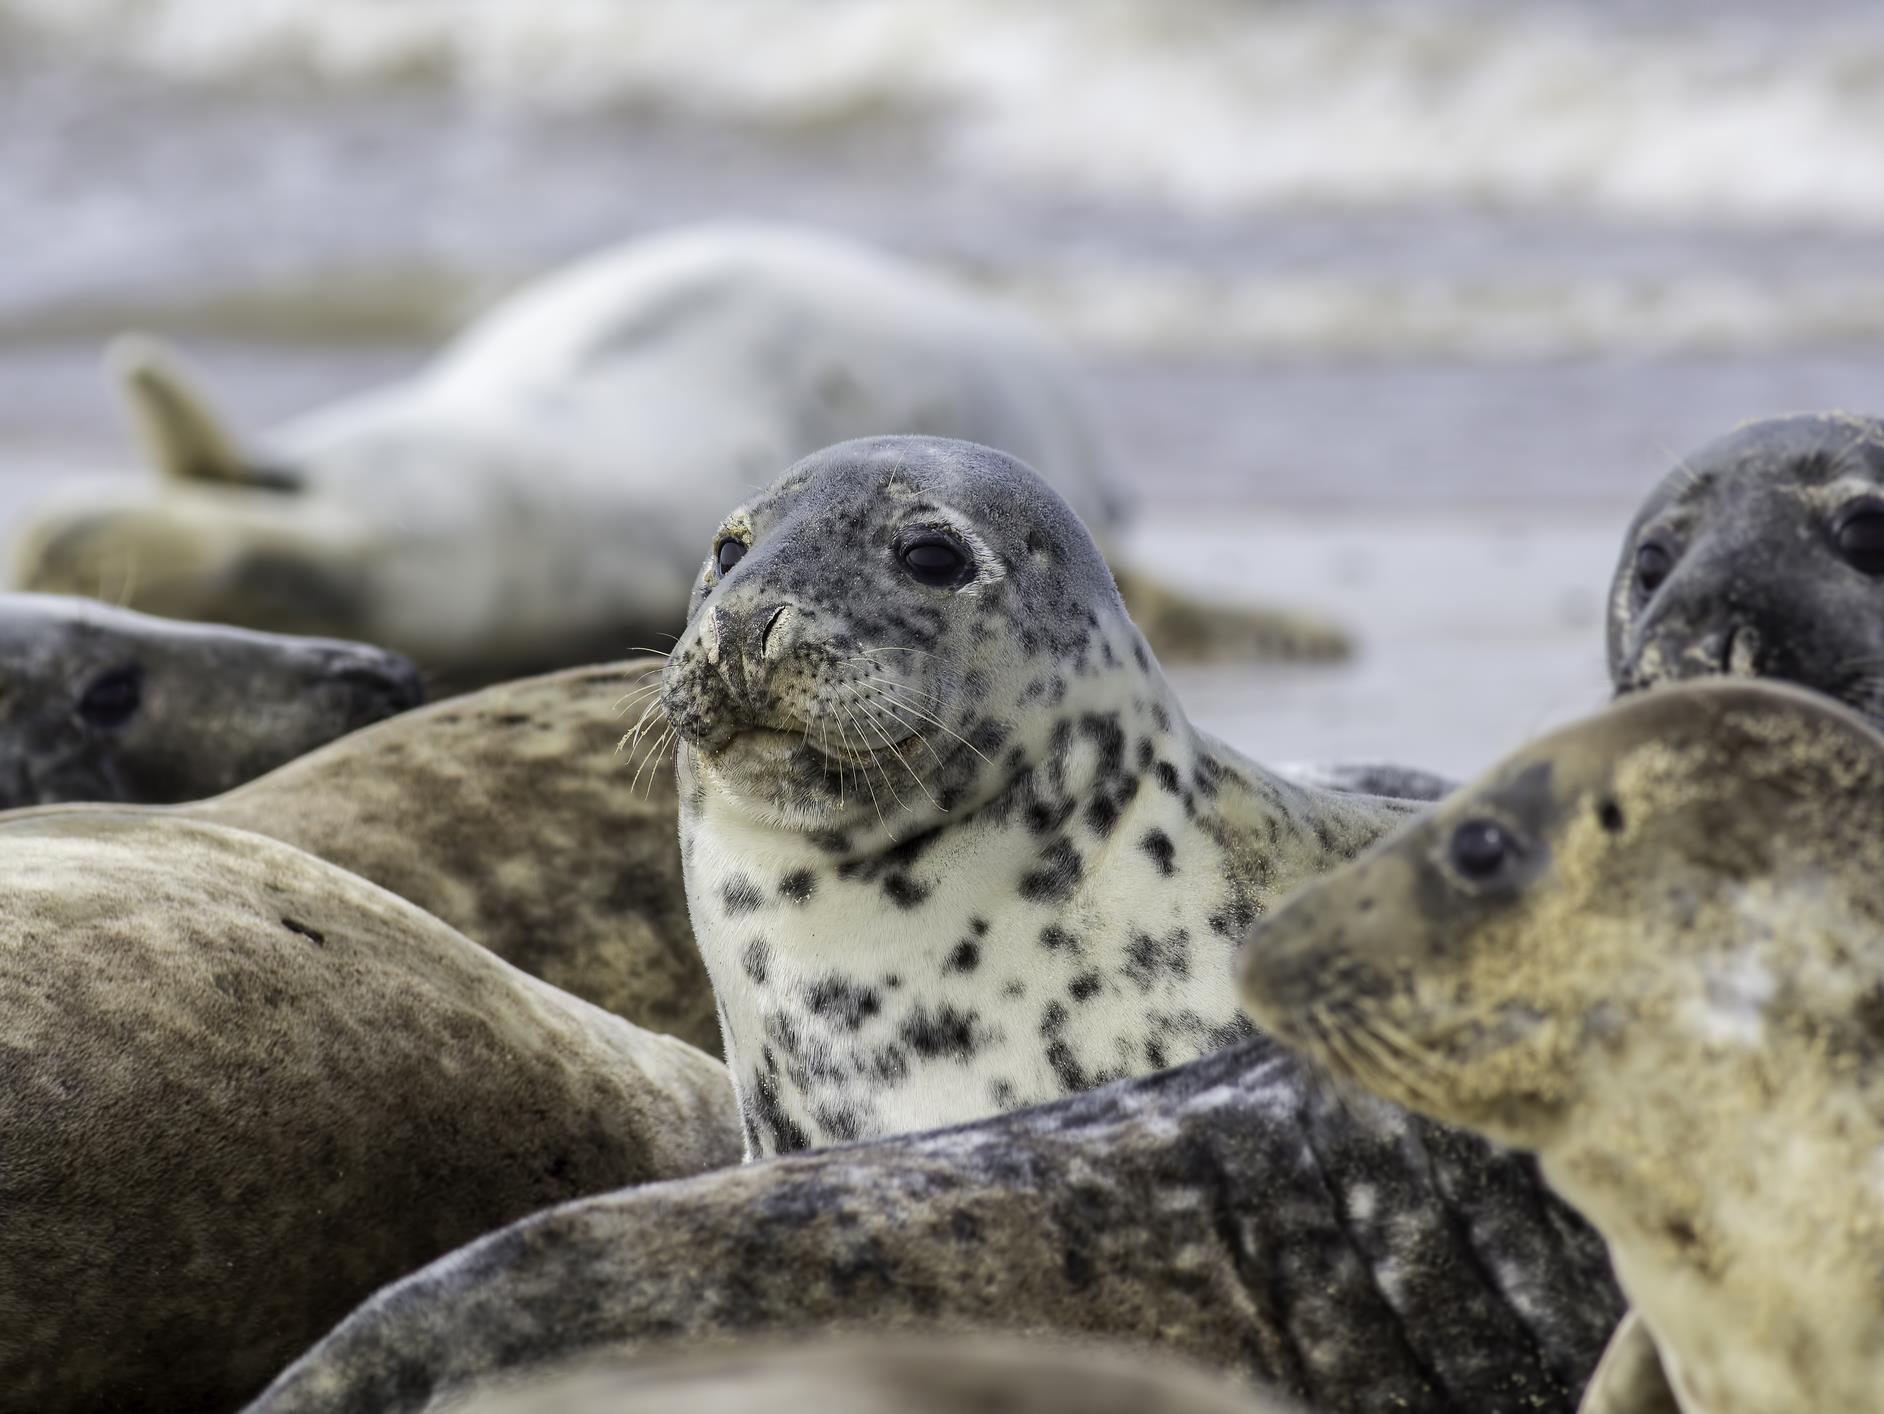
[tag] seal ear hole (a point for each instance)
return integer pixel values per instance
(112, 698)
(1609, 814)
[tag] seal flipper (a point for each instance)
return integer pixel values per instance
(180, 433)
(1629, 1378)
(1182, 629)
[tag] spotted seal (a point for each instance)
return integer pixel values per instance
(101, 703)
(1231, 1211)
(950, 845)
(1651, 949)
(242, 1088)
(960, 1376)
(531, 499)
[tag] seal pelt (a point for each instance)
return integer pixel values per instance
(241, 1088)
(530, 500)
(1649, 948)
(1229, 1212)
(107, 704)
(951, 846)
(960, 1376)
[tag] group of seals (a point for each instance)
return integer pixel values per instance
(951, 847)
(107, 704)
(1232, 1211)
(244, 1088)
(1651, 949)
(531, 500)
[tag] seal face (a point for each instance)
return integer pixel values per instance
(1761, 555)
(950, 846)
(1650, 948)
(110, 705)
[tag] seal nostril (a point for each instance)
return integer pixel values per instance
(765, 634)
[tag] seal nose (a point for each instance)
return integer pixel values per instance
(1677, 654)
(378, 684)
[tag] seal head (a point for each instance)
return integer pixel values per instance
(106, 704)
(1761, 555)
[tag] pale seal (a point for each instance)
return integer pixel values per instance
(960, 1376)
(950, 845)
(241, 1088)
(1230, 1212)
(1651, 949)
(531, 499)
(1761, 555)
(100, 703)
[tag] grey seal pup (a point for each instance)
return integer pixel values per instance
(531, 499)
(101, 703)
(1649, 948)
(961, 1376)
(241, 1088)
(1232, 1212)
(950, 845)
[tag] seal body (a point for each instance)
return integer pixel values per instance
(243, 1088)
(517, 815)
(1649, 948)
(950, 845)
(107, 704)
(1233, 1212)
(1760, 555)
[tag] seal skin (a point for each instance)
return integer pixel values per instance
(107, 704)
(1231, 1212)
(1651, 949)
(240, 1089)
(960, 1376)
(950, 845)
(517, 815)
(1733, 565)
(531, 499)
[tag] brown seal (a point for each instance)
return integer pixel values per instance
(241, 1088)
(1651, 949)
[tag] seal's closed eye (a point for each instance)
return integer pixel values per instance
(113, 696)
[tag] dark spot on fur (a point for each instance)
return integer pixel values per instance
(1158, 845)
(313, 935)
(1084, 987)
(1053, 1018)
(1053, 937)
(756, 959)
(845, 1002)
(1058, 875)
(1167, 777)
(904, 891)
(511, 719)
(798, 886)
(1610, 815)
(965, 957)
(942, 1032)
(741, 896)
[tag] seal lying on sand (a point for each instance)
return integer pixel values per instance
(1651, 949)
(532, 499)
(1228, 1212)
(899, 1377)
(106, 704)
(950, 845)
(242, 1088)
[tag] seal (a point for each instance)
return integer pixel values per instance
(1648, 948)
(1235, 1212)
(1761, 555)
(243, 1088)
(531, 499)
(107, 704)
(937, 1376)
(950, 845)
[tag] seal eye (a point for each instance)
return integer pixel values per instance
(935, 559)
(727, 554)
(1480, 849)
(1860, 537)
(1653, 564)
(113, 696)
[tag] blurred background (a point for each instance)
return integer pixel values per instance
(1396, 309)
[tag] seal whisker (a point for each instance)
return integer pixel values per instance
(870, 707)
(924, 716)
(864, 747)
(850, 712)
